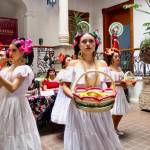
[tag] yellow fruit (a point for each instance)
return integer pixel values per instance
(83, 94)
(94, 94)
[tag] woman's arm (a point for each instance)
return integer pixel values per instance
(67, 90)
(11, 86)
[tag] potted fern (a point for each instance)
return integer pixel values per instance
(145, 45)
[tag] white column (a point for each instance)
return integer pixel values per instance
(63, 22)
(30, 34)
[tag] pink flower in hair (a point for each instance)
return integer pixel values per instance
(97, 41)
(26, 46)
(75, 42)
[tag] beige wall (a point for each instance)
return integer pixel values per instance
(42, 21)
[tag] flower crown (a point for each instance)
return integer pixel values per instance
(26, 45)
(111, 51)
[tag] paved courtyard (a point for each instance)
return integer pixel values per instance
(136, 125)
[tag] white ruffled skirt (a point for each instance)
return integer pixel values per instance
(121, 106)
(90, 131)
(60, 108)
(18, 130)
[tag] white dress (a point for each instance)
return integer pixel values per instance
(61, 105)
(88, 130)
(121, 106)
(18, 130)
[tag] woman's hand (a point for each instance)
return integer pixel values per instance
(3, 62)
(67, 90)
(121, 83)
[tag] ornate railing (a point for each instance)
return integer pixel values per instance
(46, 58)
(130, 60)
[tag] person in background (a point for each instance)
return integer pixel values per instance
(49, 82)
(34, 88)
(120, 107)
(4, 61)
(18, 130)
(87, 130)
(61, 105)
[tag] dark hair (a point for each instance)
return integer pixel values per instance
(29, 58)
(109, 58)
(64, 61)
(49, 70)
(77, 39)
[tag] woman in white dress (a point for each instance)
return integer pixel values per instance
(18, 130)
(87, 130)
(61, 105)
(120, 107)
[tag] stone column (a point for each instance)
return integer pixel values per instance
(30, 33)
(63, 22)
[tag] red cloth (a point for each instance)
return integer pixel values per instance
(115, 42)
(51, 84)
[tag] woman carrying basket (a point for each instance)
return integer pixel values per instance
(87, 130)
(121, 106)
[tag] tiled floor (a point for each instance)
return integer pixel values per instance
(136, 125)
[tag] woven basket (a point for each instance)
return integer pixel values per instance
(129, 78)
(94, 99)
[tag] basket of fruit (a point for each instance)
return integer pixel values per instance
(94, 99)
(129, 79)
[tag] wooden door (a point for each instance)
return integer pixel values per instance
(118, 14)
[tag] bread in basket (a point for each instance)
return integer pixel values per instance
(129, 79)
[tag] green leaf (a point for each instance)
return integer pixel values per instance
(146, 24)
(145, 43)
(135, 6)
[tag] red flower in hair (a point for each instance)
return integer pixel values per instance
(61, 57)
(110, 51)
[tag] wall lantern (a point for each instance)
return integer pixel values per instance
(51, 2)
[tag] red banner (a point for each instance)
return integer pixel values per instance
(8, 30)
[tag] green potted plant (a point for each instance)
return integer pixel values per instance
(145, 44)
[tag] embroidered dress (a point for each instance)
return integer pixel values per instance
(18, 130)
(121, 106)
(61, 105)
(88, 130)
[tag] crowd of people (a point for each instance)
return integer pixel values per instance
(83, 130)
